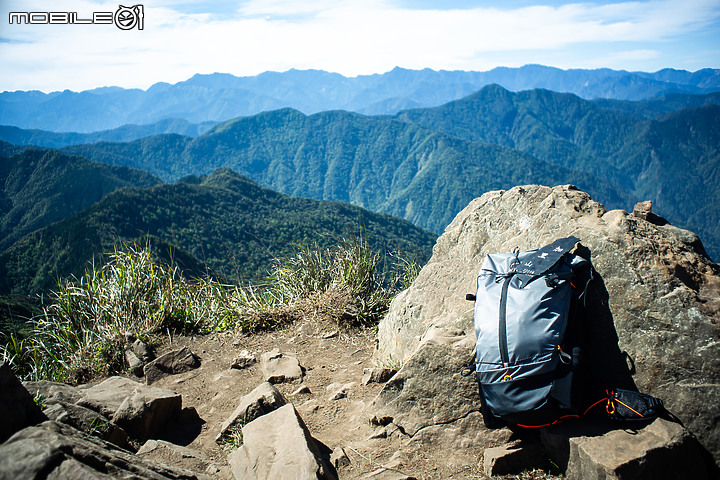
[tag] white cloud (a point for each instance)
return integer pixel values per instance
(350, 37)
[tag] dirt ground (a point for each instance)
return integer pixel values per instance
(328, 356)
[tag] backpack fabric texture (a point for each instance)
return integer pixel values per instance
(528, 353)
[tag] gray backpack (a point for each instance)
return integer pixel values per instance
(528, 349)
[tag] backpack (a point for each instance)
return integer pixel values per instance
(528, 351)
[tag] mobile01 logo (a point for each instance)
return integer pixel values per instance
(124, 18)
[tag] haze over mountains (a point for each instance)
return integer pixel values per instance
(421, 164)
(219, 97)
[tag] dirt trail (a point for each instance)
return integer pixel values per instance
(329, 357)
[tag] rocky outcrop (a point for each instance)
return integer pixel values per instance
(113, 409)
(654, 309)
(56, 451)
(662, 449)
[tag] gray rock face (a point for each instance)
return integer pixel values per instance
(88, 421)
(170, 454)
(139, 410)
(262, 400)
(56, 451)
(278, 446)
(171, 363)
(429, 389)
(657, 298)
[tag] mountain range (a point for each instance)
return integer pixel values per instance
(227, 197)
(425, 165)
(218, 97)
(221, 224)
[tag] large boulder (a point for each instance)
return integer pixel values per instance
(279, 446)
(262, 400)
(139, 410)
(654, 310)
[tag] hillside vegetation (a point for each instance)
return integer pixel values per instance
(425, 165)
(222, 225)
(39, 187)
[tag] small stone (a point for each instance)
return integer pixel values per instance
(172, 363)
(338, 391)
(142, 350)
(643, 209)
(339, 459)
(331, 334)
(261, 401)
(301, 390)
(244, 360)
(136, 365)
(279, 367)
(377, 375)
(507, 459)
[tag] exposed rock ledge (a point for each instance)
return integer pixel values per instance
(656, 310)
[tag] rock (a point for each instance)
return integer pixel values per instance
(643, 209)
(136, 365)
(657, 298)
(338, 391)
(142, 350)
(377, 375)
(138, 409)
(459, 441)
(279, 367)
(55, 392)
(132, 408)
(263, 400)
(339, 459)
(662, 449)
(53, 450)
(278, 446)
(171, 363)
(88, 421)
(17, 407)
(429, 388)
(170, 454)
(509, 459)
(304, 389)
(245, 360)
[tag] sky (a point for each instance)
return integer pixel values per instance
(180, 38)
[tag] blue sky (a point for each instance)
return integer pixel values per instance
(351, 37)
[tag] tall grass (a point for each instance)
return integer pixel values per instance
(81, 331)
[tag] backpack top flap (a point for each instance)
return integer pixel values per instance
(537, 262)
